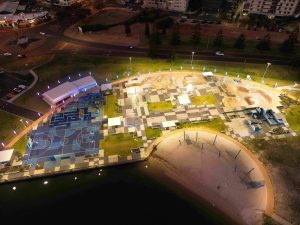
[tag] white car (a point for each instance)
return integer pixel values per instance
(220, 53)
(7, 54)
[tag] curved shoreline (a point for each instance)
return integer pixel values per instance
(184, 180)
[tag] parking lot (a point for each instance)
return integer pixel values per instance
(12, 84)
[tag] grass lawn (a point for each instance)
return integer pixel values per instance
(209, 99)
(120, 144)
(21, 145)
(153, 133)
(216, 124)
(293, 117)
(111, 107)
(112, 67)
(26, 63)
(109, 17)
(284, 156)
(9, 123)
(160, 106)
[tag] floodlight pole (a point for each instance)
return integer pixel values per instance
(130, 63)
(193, 53)
(263, 77)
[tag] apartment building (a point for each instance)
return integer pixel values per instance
(61, 3)
(273, 7)
(171, 5)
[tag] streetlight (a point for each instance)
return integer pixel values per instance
(21, 120)
(193, 53)
(263, 77)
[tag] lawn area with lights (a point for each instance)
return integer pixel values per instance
(293, 117)
(215, 124)
(61, 67)
(111, 107)
(153, 133)
(120, 144)
(209, 99)
(160, 106)
(9, 124)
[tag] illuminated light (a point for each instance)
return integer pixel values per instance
(90, 73)
(38, 93)
(99, 174)
(79, 74)
(14, 188)
(181, 67)
(146, 166)
(75, 178)
(226, 73)
(193, 67)
(2, 144)
(48, 87)
(26, 121)
(58, 81)
(39, 114)
(15, 132)
(45, 182)
(69, 77)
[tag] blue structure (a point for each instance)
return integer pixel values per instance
(269, 116)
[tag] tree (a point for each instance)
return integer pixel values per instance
(127, 29)
(240, 41)
(265, 43)
(289, 44)
(175, 37)
(164, 23)
(154, 42)
(196, 36)
(218, 41)
(147, 30)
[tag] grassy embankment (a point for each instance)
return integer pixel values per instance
(102, 67)
(120, 144)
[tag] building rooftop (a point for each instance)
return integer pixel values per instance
(9, 7)
(5, 155)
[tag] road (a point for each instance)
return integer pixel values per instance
(19, 111)
(55, 37)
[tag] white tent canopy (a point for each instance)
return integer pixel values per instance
(6, 155)
(167, 124)
(208, 74)
(114, 121)
(184, 99)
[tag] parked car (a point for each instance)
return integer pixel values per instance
(219, 53)
(21, 86)
(17, 90)
(21, 56)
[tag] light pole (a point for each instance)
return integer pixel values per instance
(21, 120)
(263, 77)
(193, 53)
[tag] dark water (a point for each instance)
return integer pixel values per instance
(120, 195)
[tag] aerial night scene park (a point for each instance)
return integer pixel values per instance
(150, 112)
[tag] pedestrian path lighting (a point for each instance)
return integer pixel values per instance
(2, 144)
(263, 77)
(15, 132)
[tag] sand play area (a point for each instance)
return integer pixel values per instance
(223, 172)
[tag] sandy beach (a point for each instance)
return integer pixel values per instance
(216, 170)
